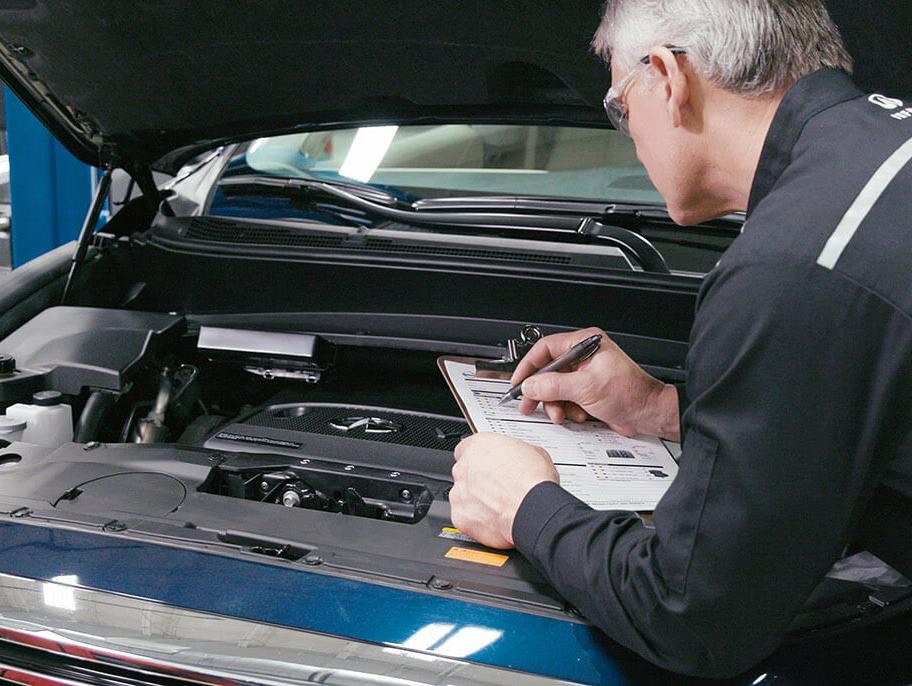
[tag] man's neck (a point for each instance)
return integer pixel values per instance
(737, 133)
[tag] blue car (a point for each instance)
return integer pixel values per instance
(226, 445)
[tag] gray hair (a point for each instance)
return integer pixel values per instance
(749, 47)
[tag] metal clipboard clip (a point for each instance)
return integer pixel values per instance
(516, 350)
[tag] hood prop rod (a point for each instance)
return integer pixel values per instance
(88, 230)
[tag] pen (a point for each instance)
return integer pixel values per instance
(579, 352)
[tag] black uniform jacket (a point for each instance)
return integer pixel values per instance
(799, 377)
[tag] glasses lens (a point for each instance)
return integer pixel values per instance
(617, 112)
(614, 107)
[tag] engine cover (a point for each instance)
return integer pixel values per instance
(320, 430)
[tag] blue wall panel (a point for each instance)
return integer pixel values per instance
(50, 189)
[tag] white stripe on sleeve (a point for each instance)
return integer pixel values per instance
(856, 214)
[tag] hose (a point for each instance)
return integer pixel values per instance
(92, 416)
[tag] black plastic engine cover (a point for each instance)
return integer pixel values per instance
(71, 348)
(307, 430)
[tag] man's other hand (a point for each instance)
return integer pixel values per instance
(491, 476)
(608, 386)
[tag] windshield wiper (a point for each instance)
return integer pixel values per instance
(256, 184)
(503, 203)
(592, 208)
(582, 224)
(380, 204)
(506, 203)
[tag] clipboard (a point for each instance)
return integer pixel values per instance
(602, 468)
(441, 365)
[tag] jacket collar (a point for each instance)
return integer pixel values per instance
(810, 96)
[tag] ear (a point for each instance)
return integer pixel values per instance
(674, 82)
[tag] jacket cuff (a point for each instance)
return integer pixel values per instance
(683, 400)
(535, 511)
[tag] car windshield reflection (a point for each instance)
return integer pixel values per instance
(449, 159)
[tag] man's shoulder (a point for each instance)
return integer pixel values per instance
(764, 278)
(843, 205)
(835, 153)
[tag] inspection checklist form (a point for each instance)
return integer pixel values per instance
(602, 468)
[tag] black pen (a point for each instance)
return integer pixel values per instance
(579, 352)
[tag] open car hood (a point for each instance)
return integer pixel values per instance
(136, 83)
(146, 79)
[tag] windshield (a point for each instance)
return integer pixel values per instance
(411, 163)
(461, 159)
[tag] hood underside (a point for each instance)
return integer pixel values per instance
(134, 83)
(148, 78)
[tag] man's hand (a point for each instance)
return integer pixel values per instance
(608, 386)
(491, 476)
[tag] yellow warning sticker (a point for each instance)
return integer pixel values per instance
(477, 556)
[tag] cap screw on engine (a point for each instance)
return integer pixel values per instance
(312, 560)
(264, 486)
(304, 462)
(349, 468)
(405, 494)
(7, 365)
(441, 584)
(291, 499)
(91, 445)
(393, 475)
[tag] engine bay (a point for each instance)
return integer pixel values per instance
(280, 445)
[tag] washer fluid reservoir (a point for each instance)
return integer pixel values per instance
(49, 421)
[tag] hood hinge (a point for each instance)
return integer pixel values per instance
(142, 175)
(108, 156)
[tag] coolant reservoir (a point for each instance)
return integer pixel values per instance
(49, 421)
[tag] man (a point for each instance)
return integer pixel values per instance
(799, 374)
